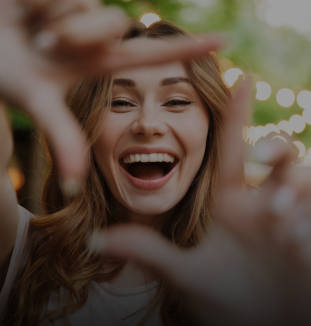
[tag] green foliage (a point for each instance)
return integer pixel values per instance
(278, 56)
(19, 120)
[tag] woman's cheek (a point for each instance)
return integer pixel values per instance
(192, 130)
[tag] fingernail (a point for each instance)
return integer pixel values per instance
(45, 40)
(301, 231)
(70, 186)
(283, 200)
(97, 242)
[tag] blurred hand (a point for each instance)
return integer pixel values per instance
(253, 267)
(48, 45)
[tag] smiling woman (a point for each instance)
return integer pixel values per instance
(155, 135)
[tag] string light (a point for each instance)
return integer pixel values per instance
(270, 127)
(285, 126)
(263, 91)
(306, 114)
(297, 123)
(285, 97)
(232, 75)
(304, 99)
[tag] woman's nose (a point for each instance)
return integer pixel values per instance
(148, 124)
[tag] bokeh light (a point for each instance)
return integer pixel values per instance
(306, 114)
(301, 147)
(304, 99)
(285, 97)
(232, 75)
(17, 178)
(270, 127)
(285, 126)
(297, 122)
(263, 91)
(150, 18)
(255, 133)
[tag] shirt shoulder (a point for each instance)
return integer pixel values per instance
(18, 257)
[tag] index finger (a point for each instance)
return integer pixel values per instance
(129, 55)
(233, 143)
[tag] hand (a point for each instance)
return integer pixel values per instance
(253, 267)
(48, 45)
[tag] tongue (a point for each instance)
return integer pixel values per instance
(147, 171)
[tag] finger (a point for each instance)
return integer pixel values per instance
(97, 28)
(139, 243)
(258, 213)
(54, 9)
(69, 146)
(233, 144)
(129, 55)
(278, 154)
(263, 211)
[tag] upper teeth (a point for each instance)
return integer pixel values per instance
(154, 157)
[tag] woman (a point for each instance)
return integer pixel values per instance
(154, 161)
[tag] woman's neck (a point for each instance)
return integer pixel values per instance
(133, 275)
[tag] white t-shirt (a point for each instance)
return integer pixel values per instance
(106, 305)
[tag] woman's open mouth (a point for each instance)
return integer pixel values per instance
(149, 171)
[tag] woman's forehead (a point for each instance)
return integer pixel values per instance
(156, 75)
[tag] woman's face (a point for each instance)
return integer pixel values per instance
(154, 139)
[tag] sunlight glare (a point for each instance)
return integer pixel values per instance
(288, 13)
(150, 18)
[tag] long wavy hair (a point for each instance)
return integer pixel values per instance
(57, 255)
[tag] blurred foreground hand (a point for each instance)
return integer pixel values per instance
(47, 45)
(254, 266)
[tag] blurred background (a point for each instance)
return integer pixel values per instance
(270, 41)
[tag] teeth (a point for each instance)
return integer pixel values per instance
(144, 158)
(154, 157)
(137, 158)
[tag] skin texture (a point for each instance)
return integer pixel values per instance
(148, 121)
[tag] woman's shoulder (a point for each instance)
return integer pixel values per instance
(24, 214)
(18, 257)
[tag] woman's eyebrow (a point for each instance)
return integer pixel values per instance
(174, 80)
(124, 82)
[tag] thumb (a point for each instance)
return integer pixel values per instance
(141, 244)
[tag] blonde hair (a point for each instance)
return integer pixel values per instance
(57, 252)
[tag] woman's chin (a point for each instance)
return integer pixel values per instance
(149, 206)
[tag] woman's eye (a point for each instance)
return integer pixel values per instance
(117, 103)
(177, 102)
